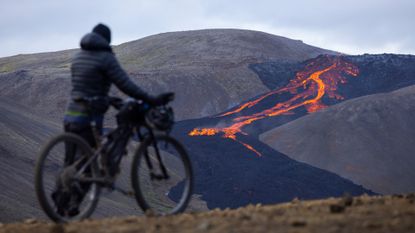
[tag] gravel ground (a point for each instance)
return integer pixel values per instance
(348, 214)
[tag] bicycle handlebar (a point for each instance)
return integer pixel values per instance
(117, 102)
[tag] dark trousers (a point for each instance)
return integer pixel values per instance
(72, 153)
(83, 130)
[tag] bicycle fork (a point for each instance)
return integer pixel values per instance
(163, 169)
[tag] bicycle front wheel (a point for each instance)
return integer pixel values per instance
(54, 164)
(161, 176)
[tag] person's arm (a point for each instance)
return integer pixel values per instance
(119, 77)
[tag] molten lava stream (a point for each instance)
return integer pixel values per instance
(314, 81)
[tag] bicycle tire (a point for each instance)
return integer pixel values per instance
(42, 196)
(139, 189)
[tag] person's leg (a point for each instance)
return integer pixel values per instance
(77, 192)
(83, 130)
(62, 195)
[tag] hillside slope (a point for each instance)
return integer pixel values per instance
(369, 140)
(227, 173)
(209, 67)
(361, 214)
(229, 178)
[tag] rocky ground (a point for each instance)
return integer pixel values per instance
(358, 214)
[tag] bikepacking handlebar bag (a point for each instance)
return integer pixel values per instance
(131, 112)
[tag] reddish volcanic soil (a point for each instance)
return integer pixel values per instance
(359, 214)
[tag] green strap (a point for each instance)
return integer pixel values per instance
(75, 114)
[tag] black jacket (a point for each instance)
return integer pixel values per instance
(94, 69)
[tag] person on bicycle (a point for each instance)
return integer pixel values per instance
(93, 70)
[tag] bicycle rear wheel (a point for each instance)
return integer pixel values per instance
(53, 162)
(154, 192)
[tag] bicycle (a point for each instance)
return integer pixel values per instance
(161, 173)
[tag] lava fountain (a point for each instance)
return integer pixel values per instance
(320, 78)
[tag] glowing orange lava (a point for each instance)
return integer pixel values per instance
(320, 77)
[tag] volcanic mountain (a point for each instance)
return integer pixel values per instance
(209, 67)
(243, 83)
(298, 89)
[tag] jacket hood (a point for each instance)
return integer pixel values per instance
(94, 41)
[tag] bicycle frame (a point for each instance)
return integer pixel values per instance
(131, 131)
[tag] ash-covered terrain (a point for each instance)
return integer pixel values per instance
(233, 87)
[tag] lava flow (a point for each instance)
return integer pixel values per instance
(320, 78)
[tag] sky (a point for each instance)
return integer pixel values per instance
(348, 26)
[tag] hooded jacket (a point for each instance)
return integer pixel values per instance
(94, 68)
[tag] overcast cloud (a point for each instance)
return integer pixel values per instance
(352, 26)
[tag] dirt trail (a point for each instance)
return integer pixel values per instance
(359, 214)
